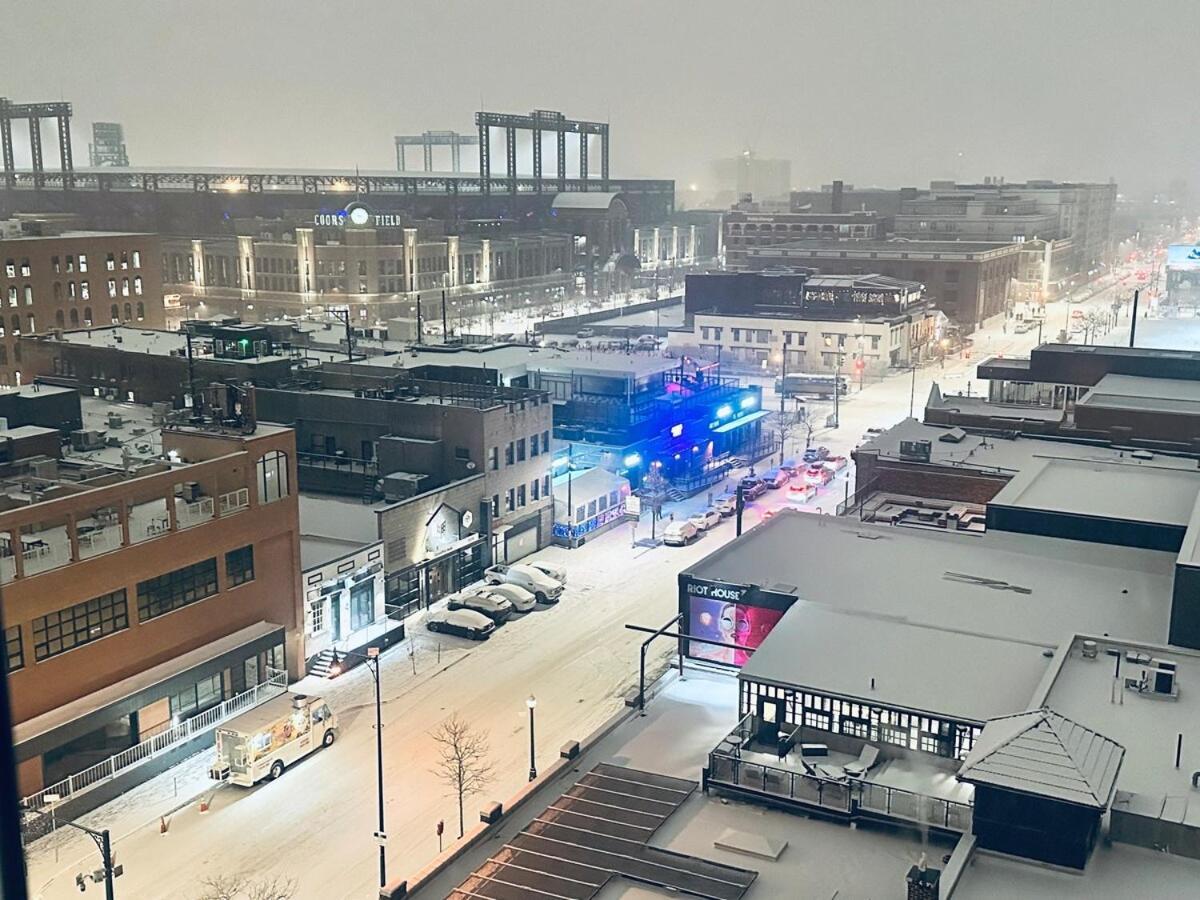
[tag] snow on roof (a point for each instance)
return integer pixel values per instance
(1113, 489)
(1004, 455)
(339, 518)
(1141, 394)
(316, 550)
(920, 668)
(599, 200)
(515, 360)
(1043, 753)
(589, 484)
(1003, 584)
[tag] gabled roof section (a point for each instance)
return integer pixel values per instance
(1047, 755)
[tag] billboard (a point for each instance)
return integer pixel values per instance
(730, 622)
(1183, 257)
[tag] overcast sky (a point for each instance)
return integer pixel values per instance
(888, 92)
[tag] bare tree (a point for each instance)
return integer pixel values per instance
(242, 886)
(462, 761)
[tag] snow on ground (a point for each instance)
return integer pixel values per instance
(316, 823)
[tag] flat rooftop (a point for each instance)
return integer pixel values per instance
(515, 360)
(78, 233)
(317, 549)
(890, 248)
(1140, 394)
(981, 406)
(875, 658)
(1145, 724)
(1107, 489)
(1006, 455)
(1002, 584)
(147, 340)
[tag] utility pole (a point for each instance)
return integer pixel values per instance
(420, 328)
(837, 379)
(1133, 319)
(445, 328)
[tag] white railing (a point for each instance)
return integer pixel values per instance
(195, 513)
(78, 783)
(234, 501)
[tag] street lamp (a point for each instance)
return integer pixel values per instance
(372, 659)
(532, 704)
(103, 843)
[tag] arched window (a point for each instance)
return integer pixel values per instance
(87, 315)
(141, 310)
(124, 287)
(272, 477)
(137, 285)
(71, 291)
(12, 295)
(57, 291)
(59, 318)
(74, 317)
(128, 312)
(114, 314)
(29, 295)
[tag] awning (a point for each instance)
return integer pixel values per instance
(90, 711)
(744, 420)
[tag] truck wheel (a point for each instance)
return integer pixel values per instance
(276, 769)
(329, 737)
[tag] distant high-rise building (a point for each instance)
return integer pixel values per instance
(763, 179)
(108, 145)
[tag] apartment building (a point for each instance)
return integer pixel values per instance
(144, 585)
(75, 279)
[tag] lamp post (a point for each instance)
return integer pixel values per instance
(532, 704)
(372, 660)
(103, 843)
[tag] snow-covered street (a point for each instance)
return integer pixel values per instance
(315, 824)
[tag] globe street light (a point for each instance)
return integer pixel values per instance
(532, 704)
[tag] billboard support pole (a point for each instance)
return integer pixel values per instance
(1133, 319)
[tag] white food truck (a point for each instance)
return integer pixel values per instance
(264, 741)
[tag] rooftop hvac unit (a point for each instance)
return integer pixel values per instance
(918, 451)
(116, 420)
(86, 439)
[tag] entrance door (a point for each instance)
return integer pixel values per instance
(770, 718)
(335, 615)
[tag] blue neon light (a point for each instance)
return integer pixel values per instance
(749, 402)
(724, 412)
(677, 430)
(633, 459)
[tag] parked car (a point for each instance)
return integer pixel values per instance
(585, 333)
(521, 599)
(815, 454)
(800, 491)
(818, 474)
(646, 342)
(792, 467)
(777, 478)
(726, 505)
(677, 534)
(494, 606)
(752, 487)
(837, 463)
(558, 573)
(706, 519)
(538, 583)
(462, 622)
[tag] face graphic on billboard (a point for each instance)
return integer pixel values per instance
(728, 623)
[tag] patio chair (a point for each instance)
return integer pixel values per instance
(831, 773)
(866, 760)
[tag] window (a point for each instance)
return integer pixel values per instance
(80, 624)
(509, 500)
(613, 498)
(195, 698)
(85, 292)
(591, 508)
(579, 514)
(87, 314)
(137, 285)
(815, 718)
(239, 565)
(73, 316)
(29, 295)
(137, 259)
(860, 728)
(495, 506)
(112, 287)
(494, 458)
(520, 495)
(508, 454)
(32, 327)
(272, 477)
(82, 262)
(603, 502)
(520, 449)
(14, 652)
(110, 263)
(546, 444)
(141, 310)
(124, 259)
(12, 295)
(124, 287)
(535, 489)
(128, 312)
(114, 314)
(175, 590)
(362, 604)
(16, 324)
(10, 268)
(70, 263)
(533, 446)
(763, 337)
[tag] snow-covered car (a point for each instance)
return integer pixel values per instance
(792, 466)
(752, 487)
(585, 333)
(647, 342)
(705, 519)
(815, 454)
(495, 606)
(777, 478)
(462, 622)
(558, 573)
(836, 463)
(677, 534)
(800, 491)
(538, 583)
(521, 599)
(818, 474)
(726, 505)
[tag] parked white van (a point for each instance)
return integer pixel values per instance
(541, 585)
(265, 740)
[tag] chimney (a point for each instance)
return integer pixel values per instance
(835, 202)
